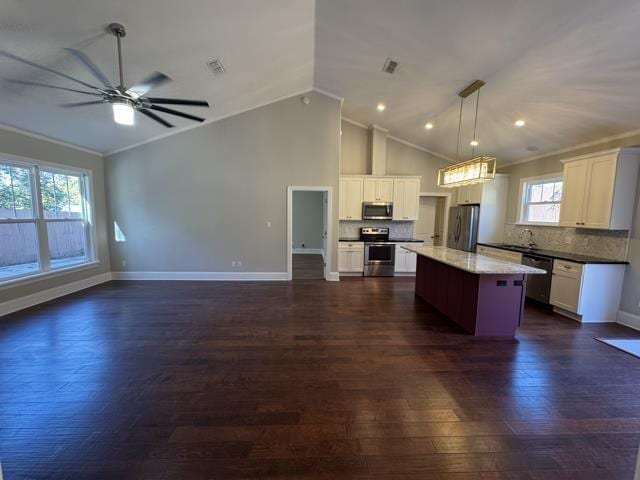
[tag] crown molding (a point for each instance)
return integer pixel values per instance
(217, 119)
(573, 148)
(399, 140)
(39, 136)
(329, 94)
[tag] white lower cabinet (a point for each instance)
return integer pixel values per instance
(566, 285)
(587, 292)
(406, 261)
(351, 257)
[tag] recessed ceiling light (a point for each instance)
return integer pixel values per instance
(473, 143)
(428, 125)
(520, 123)
(381, 107)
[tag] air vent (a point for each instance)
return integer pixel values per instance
(389, 66)
(216, 66)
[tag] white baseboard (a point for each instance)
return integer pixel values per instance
(52, 293)
(333, 277)
(308, 251)
(629, 319)
(211, 276)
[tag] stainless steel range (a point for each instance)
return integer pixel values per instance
(379, 254)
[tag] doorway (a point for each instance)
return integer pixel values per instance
(308, 233)
(431, 226)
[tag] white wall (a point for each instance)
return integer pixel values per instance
(14, 143)
(402, 159)
(308, 219)
(201, 199)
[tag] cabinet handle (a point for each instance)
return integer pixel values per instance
(577, 223)
(566, 267)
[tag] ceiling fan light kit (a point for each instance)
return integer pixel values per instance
(478, 169)
(124, 101)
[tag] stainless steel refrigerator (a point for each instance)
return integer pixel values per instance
(463, 227)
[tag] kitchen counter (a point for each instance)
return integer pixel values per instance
(391, 240)
(482, 295)
(569, 256)
(472, 263)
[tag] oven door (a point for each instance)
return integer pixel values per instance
(379, 254)
(377, 211)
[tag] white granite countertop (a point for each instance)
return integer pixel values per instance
(471, 262)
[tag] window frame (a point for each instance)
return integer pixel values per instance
(525, 184)
(44, 261)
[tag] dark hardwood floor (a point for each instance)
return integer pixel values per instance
(305, 380)
(307, 267)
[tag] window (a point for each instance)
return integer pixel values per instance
(45, 222)
(540, 199)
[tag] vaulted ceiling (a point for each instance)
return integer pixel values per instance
(569, 68)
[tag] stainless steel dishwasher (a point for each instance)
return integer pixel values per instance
(538, 286)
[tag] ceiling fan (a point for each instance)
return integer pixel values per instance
(125, 101)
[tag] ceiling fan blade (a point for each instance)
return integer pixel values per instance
(80, 104)
(93, 68)
(46, 69)
(152, 81)
(170, 111)
(46, 85)
(155, 117)
(178, 101)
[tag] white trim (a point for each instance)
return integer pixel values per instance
(23, 161)
(558, 176)
(574, 148)
(355, 122)
(399, 140)
(422, 149)
(447, 206)
(51, 293)
(37, 277)
(333, 277)
(308, 251)
(209, 120)
(328, 94)
(329, 218)
(39, 136)
(628, 319)
(205, 276)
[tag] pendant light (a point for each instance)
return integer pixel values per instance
(478, 169)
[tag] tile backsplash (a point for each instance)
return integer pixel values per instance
(599, 243)
(349, 229)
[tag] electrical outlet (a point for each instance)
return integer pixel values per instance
(233, 263)
(239, 263)
(268, 224)
(124, 263)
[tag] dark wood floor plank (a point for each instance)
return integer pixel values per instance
(317, 380)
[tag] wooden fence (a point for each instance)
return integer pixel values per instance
(19, 242)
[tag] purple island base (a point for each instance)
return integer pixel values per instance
(482, 304)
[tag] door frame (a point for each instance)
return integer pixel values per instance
(328, 218)
(447, 205)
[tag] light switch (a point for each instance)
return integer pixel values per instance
(268, 224)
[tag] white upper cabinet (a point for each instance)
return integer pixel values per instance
(350, 198)
(378, 190)
(574, 180)
(470, 194)
(599, 190)
(406, 198)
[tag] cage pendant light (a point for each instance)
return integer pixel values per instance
(478, 169)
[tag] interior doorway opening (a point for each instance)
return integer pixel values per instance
(308, 233)
(432, 224)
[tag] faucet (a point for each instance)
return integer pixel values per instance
(531, 243)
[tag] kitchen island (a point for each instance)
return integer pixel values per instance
(483, 295)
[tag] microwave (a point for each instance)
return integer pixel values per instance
(377, 211)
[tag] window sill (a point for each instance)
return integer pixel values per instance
(13, 282)
(536, 224)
